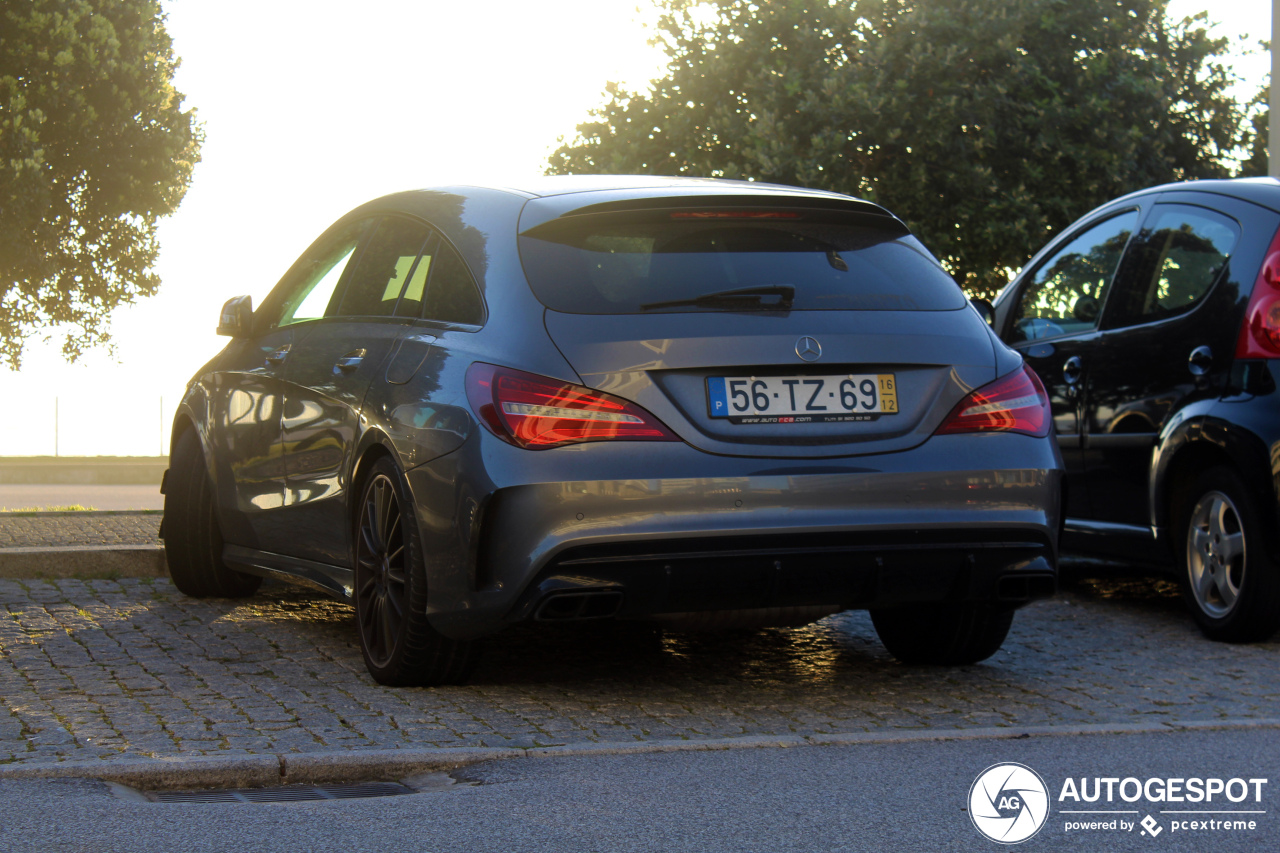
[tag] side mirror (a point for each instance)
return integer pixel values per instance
(985, 310)
(236, 319)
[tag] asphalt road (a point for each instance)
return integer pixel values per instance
(881, 797)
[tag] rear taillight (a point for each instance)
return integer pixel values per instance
(538, 412)
(1260, 334)
(1013, 403)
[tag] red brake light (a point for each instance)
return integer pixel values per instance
(538, 412)
(1016, 402)
(1260, 334)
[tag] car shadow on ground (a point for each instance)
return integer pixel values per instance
(840, 649)
(1146, 588)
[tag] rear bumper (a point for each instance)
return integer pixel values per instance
(672, 530)
(790, 574)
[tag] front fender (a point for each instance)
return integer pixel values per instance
(193, 414)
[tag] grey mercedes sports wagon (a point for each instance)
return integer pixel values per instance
(697, 403)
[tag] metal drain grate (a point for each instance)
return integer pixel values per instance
(283, 793)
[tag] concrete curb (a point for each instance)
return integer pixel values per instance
(246, 771)
(83, 561)
(201, 771)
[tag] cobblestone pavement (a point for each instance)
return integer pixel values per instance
(102, 668)
(36, 530)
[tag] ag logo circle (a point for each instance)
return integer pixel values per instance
(1008, 803)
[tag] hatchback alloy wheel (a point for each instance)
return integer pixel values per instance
(1215, 554)
(381, 571)
(1229, 580)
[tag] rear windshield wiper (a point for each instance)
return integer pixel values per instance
(745, 297)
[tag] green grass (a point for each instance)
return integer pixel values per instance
(55, 508)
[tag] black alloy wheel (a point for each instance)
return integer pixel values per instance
(382, 595)
(399, 645)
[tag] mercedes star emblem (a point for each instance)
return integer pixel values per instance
(808, 349)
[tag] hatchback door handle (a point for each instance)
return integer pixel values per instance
(279, 355)
(348, 362)
(1200, 360)
(1071, 369)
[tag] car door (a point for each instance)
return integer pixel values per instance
(249, 395)
(329, 372)
(1051, 317)
(1162, 346)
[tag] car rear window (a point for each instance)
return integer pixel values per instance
(607, 266)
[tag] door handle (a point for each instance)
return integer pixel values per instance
(279, 355)
(348, 362)
(1200, 360)
(1071, 369)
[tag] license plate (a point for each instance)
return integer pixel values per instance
(802, 399)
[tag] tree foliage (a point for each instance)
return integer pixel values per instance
(94, 148)
(1255, 165)
(986, 125)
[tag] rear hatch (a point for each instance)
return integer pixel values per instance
(775, 325)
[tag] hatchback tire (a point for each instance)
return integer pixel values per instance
(945, 634)
(399, 645)
(193, 540)
(1229, 582)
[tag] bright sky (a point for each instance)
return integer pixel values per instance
(311, 108)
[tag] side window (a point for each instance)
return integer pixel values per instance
(323, 266)
(452, 296)
(1065, 293)
(386, 265)
(411, 300)
(1179, 256)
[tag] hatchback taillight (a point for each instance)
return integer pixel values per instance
(1260, 334)
(1015, 402)
(538, 412)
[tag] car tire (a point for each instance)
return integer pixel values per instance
(1230, 583)
(399, 645)
(193, 539)
(946, 634)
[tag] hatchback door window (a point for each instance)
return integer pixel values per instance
(385, 267)
(1179, 255)
(321, 271)
(452, 296)
(724, 260)
(1066, 292)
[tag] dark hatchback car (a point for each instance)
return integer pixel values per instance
(693, 402)
(1154, 323)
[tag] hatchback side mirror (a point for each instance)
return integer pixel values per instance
(985, 310)
(236, 319)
